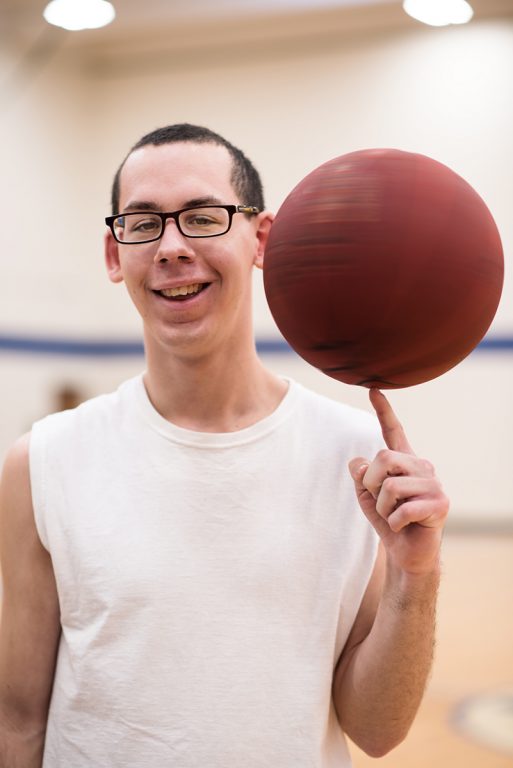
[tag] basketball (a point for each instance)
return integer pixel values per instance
(383, 268)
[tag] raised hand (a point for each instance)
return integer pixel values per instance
(401, 496)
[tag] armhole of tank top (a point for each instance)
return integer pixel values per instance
(37, 471)
(372, 547)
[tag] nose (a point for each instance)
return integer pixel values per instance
(173, 245)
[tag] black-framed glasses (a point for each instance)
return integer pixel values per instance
(203, 221)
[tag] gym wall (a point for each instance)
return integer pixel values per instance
(291, 100)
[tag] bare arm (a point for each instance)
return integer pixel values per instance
(30, 628)
(382, 672)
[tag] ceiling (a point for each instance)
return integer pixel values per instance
(181, 21)
(134, 12)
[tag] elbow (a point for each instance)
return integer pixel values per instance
(21, 723)
(379, 744)
(377, 750)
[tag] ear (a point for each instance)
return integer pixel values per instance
(112, 259)
(264, 222)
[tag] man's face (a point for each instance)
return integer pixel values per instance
(216, 272)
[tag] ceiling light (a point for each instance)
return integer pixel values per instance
(439, 13)
(79, 14)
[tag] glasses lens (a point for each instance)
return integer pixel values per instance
(204, 222)
(137, 227)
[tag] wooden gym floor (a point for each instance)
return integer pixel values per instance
(474, 657)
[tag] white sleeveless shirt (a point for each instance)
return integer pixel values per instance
(207, 582)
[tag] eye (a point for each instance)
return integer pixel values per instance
(139, 223)
(200, 220)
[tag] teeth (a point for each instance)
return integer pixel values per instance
(182, 290)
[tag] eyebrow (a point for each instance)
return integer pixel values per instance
(151, 205)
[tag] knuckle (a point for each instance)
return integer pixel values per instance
(382, 456)
(438, 491)
(445, 504)
(427, 467)
(390, 485)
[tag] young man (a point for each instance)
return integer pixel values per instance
(211, 566)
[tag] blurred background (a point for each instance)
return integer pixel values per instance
(293, 83)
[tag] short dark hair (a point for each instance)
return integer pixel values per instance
(244, 177)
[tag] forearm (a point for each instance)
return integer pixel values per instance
(381, 684)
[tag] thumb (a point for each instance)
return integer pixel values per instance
(357, 468)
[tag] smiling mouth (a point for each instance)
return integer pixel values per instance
(182, 292)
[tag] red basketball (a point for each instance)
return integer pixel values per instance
(383, 268)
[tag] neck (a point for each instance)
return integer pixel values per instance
(215, 393)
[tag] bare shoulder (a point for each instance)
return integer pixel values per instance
(24, 560)
(15, 494)
(18, 454)
(22, 555)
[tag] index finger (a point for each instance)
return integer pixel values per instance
(391, 428)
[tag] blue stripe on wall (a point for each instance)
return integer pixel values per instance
(34, 345)
(75, 347)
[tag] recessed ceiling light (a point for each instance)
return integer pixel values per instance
(439, 13)
(79, 14)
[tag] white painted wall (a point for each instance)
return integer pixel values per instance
(446, 92)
